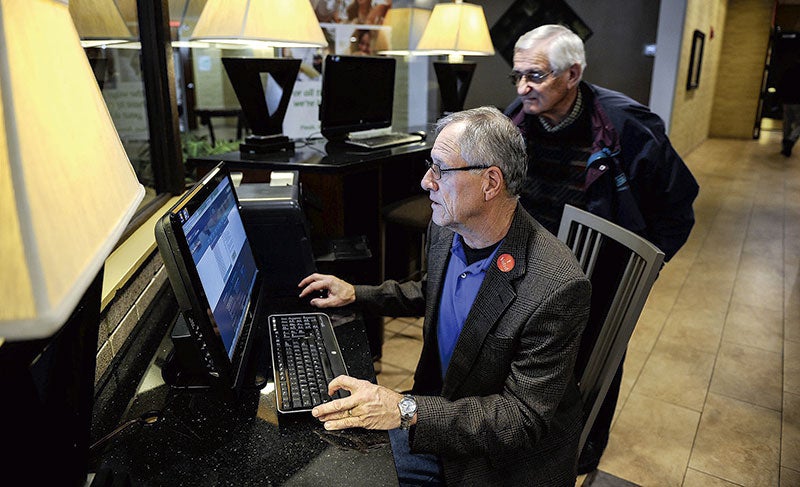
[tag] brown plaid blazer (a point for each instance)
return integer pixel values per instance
(508, 412)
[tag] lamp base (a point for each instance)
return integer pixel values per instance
(454, 80)
(266, 144)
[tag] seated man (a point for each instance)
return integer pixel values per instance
(494, 398)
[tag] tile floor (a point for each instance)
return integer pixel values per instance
(711, 391)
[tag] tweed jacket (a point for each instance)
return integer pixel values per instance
(508, 411)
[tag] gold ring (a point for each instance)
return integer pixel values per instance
(350, 412)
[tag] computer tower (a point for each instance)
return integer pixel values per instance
(279, 233)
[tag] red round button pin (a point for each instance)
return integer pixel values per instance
(505, 262)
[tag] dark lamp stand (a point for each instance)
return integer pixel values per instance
(254, 80)
(454, 80)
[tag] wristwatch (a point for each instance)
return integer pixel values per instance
(408, 408)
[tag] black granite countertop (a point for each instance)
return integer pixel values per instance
(171, 436)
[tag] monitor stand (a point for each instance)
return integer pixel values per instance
(183, 368)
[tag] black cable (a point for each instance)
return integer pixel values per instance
(148, 418)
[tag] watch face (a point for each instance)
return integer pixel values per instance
(408, 406)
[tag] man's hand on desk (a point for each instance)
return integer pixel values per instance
(368, 406)
(336, 292)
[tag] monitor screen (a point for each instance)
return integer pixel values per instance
(357, 94)
(213, 272)
(223, 259)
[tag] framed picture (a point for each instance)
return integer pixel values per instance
(696, 60)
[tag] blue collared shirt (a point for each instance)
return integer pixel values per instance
(461, 285)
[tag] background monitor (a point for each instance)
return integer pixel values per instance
(214, 275)
(357, 94)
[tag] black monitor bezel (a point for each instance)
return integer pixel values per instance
(336, 130)
(193, 304)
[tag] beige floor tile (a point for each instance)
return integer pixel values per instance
(726, 235)
(663, 295)
(392, 376)
(749, 374)
(789, 478)
(738, 442)
(759, 282)
(754, 326)
(710, 273)
(631, 368)
(650, 442)
(647, 329)
(677, 375)
(679, 266)
(767, 218)
(767, 246)
(699, 479)
(406, 384)
(697, 328)
(791, 303)
(402, 351)
(790, 437)
(791, 367)
(392, 326)
(411, 331)
(792, 220)
(709, 298)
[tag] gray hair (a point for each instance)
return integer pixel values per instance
(490, 138)
(564, 47)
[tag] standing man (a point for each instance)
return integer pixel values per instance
(600, 151)
(494, 400)
(789, 95)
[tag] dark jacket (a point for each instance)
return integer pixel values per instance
(508, 411)
(634, 177)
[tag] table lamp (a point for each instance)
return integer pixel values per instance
(407, 24)
(67, 192)
(457, 29)
(262, 86)
(100, 22)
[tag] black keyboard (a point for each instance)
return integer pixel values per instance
(384, 140)
(305, 358)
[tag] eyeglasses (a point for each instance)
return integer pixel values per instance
(535, 77)
(437, 170)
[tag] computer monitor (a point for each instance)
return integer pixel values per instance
(212, 270)
(357, 94)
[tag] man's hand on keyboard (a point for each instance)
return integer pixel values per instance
(368, 406)
(336, 292)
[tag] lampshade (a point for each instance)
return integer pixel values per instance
(457, 29)
(407, 25)
(67, 189)
(100, 22)
(279, 23)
